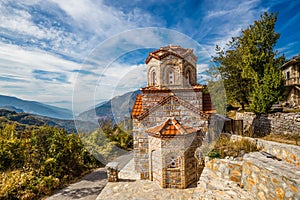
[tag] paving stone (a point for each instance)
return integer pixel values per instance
(130, 188)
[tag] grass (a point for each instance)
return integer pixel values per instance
(224, 147)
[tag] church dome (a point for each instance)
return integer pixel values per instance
(172, 66)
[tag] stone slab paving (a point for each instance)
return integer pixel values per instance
(127, 173)
(128, 188)
(87, 188)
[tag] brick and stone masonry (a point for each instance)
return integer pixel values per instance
(170, 119)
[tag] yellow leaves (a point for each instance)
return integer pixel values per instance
(35, 166)
(12, 184)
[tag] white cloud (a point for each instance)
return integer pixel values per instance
(224, 20)
(19, 63)
(100, 19)
(79, 27)
(202, 67)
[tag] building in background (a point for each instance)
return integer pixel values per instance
(291, 73)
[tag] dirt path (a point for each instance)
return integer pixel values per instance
(88, 188)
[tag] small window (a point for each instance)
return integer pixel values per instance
(171, 77)
(288, 75)
(173, 162)
(188, 77)
(153, 78)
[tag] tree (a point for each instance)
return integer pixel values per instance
(250, 66)
(238, 88)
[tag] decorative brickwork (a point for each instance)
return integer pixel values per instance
(168, 119)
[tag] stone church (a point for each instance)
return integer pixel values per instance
(170, 119)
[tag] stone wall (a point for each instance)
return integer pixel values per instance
(286, 152)
(266, 178)
(140, 145)
(172, 161)
(275, 123)
(226, 168)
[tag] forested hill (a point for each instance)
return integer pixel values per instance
(23, 120)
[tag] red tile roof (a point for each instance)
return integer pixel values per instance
(171, 127)
(138, 106)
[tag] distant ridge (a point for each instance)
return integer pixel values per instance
(33, 107)
(118, 108)
(23, 120)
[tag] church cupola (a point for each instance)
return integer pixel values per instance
(172, 67)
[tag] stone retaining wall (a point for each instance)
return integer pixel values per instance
(286, 152)
(225, 168)
(263, 177)
(275, 123)
(266, 178)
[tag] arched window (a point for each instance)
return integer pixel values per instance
(188, 76)
(153, 78)
(171, 77)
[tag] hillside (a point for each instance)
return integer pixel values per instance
(13, 103)
(117, 108)
(23, 120)
(36, 162)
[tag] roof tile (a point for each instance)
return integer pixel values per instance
(138, 106)
(171, 127)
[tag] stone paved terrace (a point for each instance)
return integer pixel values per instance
(262, 175)
(130, 187)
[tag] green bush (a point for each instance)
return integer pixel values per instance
(35, 163)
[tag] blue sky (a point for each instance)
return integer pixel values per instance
(50, 50)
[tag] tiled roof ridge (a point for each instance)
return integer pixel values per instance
(178, 127)
(159, 57)
(164, 128)
(292, 60)
(171, 127)
(175, 50)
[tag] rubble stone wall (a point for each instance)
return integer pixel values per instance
(267, 178)
(274, 123)
(225, 168)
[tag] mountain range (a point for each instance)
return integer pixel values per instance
(23, 120)
(32, 113)
(33, 107)
(118, 108)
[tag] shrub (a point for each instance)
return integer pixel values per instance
(225, 147)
